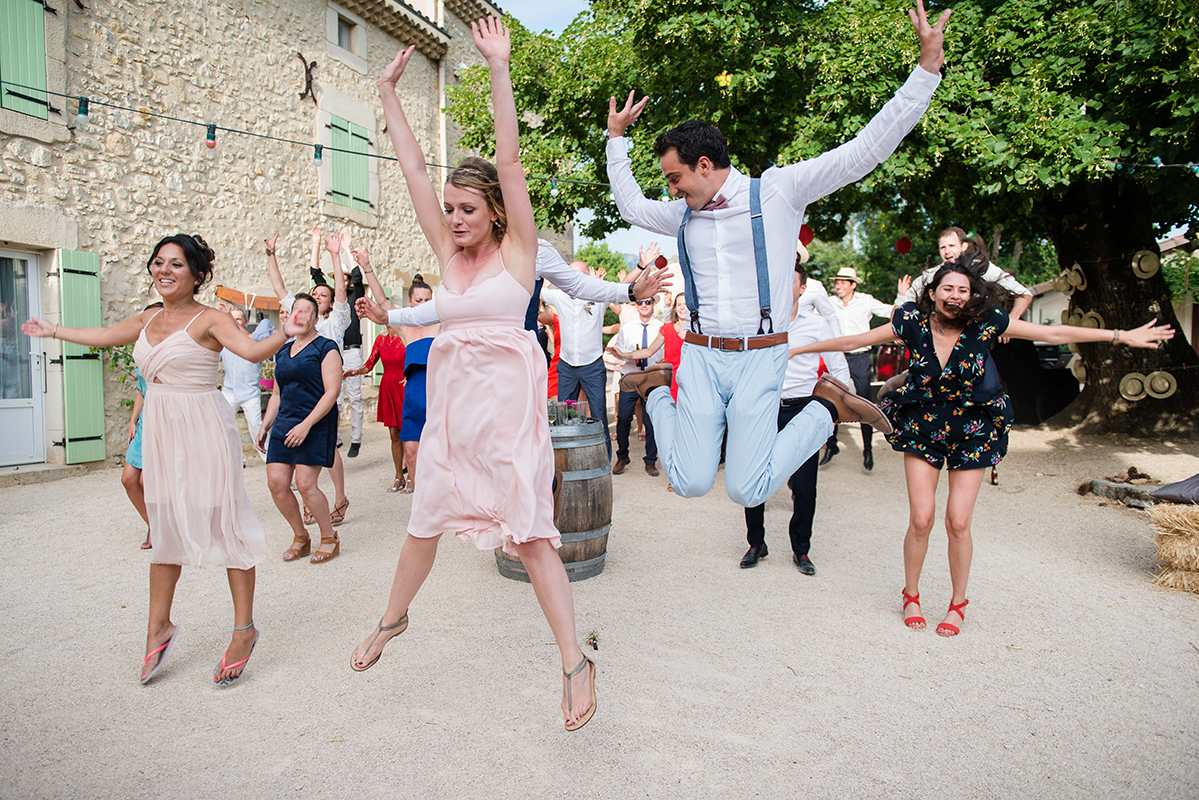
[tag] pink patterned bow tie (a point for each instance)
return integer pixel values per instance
(716, 203)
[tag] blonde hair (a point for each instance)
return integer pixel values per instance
(482, 176)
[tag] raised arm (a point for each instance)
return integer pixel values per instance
(843, 344)
(337, 244)
(228, 335)
(635, 208)
(363, 259)
(495, 45)
(272, 266)
(553, 267)
(124, 332)
(412, 160)
(1147, 336)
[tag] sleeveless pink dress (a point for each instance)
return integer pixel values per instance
(486, 461)
(196, 500)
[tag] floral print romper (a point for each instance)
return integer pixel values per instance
(949, 416)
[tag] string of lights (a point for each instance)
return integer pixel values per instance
(318, 150)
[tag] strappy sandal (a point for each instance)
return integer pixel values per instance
(583, 720)
(947, 629)
(338, 515)
(409, 487)
(146, 545)
(914, 622)
(221, 667)
(161, 651)
(308, 518)
(299, 548)
(320, 558)
(398, 485)
(378, 632)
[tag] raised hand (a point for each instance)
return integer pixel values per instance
(393, 71)
(316, 235)
(647, 255)
(932, 38)
(361, 257)
(904, 284)
(333, 244)
(369, 309)
(346, 238)
(1147, 336)
(653, 280)
(619, 121)
(492, 40)
(271, 243)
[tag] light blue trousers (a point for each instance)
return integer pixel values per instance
(740, 390)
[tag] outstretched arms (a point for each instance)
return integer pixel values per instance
(1147, 336)
(843, 344)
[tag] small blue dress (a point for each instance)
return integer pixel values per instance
(300, 389)
(133, 455)
(416, 362)
(956, 416)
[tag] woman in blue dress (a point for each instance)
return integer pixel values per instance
(952, 412)
(417, 342)
(131, 475)
(299, 429)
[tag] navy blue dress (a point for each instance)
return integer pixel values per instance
(956, 416)
(300, 389)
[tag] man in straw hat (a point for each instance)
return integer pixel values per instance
(736, 242)
(854, 311)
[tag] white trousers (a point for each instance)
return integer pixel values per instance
(351, 388)
(740, 391)
(252, 408)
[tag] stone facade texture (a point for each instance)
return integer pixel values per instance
(128, 178)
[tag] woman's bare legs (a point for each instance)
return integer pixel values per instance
(922, 480)
(278, 480)
(338, 473)
(397, 453)
(160, 629)
(316, 502)
(410, 449)
(131, 479)
(241, 586)
(552, 587)
(959, 513)
(416, 559)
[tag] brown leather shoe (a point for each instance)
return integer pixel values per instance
(643, 382)
(850, 407)
(619, 466)
(652, 470)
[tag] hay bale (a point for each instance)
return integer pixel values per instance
(1177, 538)
(1187, 580)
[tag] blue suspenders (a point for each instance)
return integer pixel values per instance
(759, 234)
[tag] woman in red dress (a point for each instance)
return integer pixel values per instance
(389, 348)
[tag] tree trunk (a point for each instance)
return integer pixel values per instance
(1017, 251)
(1100, 225)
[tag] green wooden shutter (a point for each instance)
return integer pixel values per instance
(340, 167)
(23, 57)
(82, 369)
(359, 169)
(377, 331)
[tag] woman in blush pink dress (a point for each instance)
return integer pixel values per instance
(486, 457)
(191, 449)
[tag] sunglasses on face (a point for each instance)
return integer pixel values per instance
(645, 302)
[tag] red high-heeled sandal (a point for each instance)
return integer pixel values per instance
(912, 621)
(945, 628)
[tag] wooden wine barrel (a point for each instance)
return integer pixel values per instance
(581, 452)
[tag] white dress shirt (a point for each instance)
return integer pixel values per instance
(241, 378)
(720, 243)
(856, 315)
(552, 267)
(800, 379)
(815, 299)
(332, 326)
(580, 323)
(630, 337)
(993, 274)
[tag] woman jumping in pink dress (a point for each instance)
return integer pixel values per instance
(486, 457)
(196, 502)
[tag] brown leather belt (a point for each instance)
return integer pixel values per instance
(732, 343)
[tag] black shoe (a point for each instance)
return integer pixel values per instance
(868, 459)
(355, 446)
(750, 559)
(830, 450)
(805, 564)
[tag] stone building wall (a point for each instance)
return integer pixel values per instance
(128, 179)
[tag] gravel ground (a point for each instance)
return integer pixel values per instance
(1074, 677)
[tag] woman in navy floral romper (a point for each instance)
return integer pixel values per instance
(952, 410)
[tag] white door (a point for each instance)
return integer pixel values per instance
(22, 371)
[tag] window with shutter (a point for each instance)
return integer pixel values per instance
(83, 369)
(350, 174)
(23, 57)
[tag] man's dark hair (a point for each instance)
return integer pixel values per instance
(984, 294)
(801, 274)
(956, 231)
(693, 139)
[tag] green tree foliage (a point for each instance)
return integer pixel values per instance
(598, 255)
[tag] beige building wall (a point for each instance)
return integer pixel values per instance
(128, 179)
